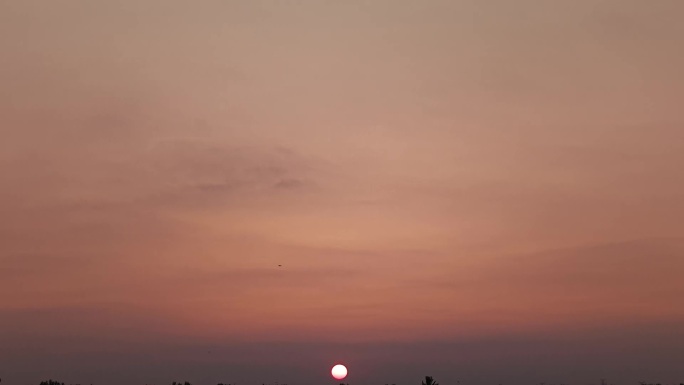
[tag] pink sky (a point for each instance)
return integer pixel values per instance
(492, 173)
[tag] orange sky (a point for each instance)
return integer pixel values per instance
(455, 171)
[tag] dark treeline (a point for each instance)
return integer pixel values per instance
(428, 381)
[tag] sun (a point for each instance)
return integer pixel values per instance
(339, 372)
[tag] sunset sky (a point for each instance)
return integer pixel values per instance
(489, 192)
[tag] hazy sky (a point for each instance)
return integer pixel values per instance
(488, 192)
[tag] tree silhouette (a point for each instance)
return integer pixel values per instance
(429, 381)
(50, 382)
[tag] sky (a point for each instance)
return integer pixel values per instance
(248, 192)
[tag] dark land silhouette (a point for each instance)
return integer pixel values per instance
(429, 380)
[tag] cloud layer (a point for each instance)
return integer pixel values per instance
(490, 188)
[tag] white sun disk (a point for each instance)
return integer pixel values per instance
(339, 371)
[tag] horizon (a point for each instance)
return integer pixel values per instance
(487, 192)
(427, 380)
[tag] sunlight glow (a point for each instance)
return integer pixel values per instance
(339, 372)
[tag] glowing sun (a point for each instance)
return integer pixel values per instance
(339, 372)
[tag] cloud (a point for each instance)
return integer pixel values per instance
(185, 168)
(580, 288)
(289, 184)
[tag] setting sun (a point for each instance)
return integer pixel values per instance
(339, 372)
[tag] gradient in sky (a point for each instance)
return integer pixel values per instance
(488, 192)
